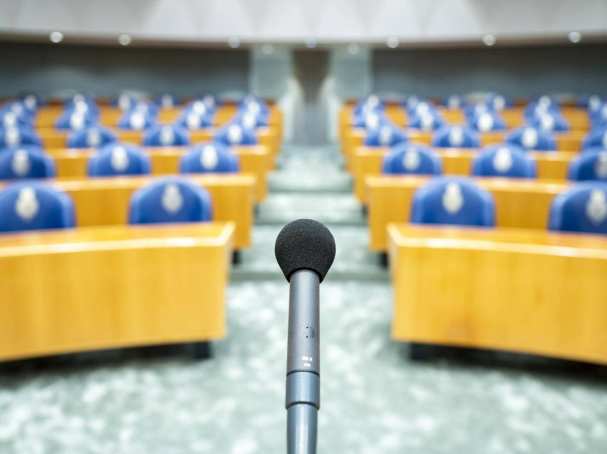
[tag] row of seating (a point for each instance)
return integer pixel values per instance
(37, 206)
(458, 201)
(117, 159)
(505, 160)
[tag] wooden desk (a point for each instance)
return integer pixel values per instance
(355, 138)
(107, 287)
(518, 203)
(368, 161)
(527, 291)
(254, 160)
(106, 201)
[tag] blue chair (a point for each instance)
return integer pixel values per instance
(15, 137)
(487, 121)
(456, 136)
(254, 105)
(549, 122)
(428, 121)
(591, 103)
(94, 137)
(209, 157)
(453, 200)
(166, 101)
(530, 138)
(386, 135)
(589, 166)
(74, 120)
(166, 136)
(25, 163)
(497, 102)
(504, 161)
(193, 120)
(542, 105)
(137, 119)
(11, 119)
(583, 208)
(170, 200)
(412, 159)
(596, 138)
(31, 101)
(251, 120)
(235, 134)
(455, 101)
(200, 108)
(126, 101)
(118, 159)
(31, 205)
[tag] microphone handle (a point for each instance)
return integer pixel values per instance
(303, 363)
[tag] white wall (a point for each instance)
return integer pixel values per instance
(297, 20)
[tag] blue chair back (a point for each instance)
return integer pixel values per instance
(387, 135)
(369, 120)
(170, 200)
(251, 120)
(453, 200)
(486, 121)
(235, 134)
(137, 119)
(549, 122)
(34, 206)
(166, 136)
(118, 159)
(597, 138)
(530, 138)
(456, 136)
(94, 137)
(412, 159)
(193, 120)
(166, 101)
(583, 208)
(25, 163)
(15, 137)
(74, 120)
(209, 157)
(589, 166)
(505, 160)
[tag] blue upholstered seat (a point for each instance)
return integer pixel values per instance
(235, 134)
(191, 119)
(119, 159)
(583, 208)
(505, 160)
(139, 118)
(597, 138)
(549, 122)
(170, 200)
(25, 163)
(209, 157)
(14, 137)
(166, 136)
(453, 200)
(387, 135)
(93, 137)
(74, 120)
(426, 121)
(486, 121)
(31, 205)
(369, 120)
(408, 158)
(166, 101)
(589, 166)
(456, 136)
(531, 138)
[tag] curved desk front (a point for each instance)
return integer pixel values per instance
(106, 201)
(519, 203)
(526, 291)
(255, 160)
(107, 287)
(368, 161)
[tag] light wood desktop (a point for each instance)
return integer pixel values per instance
(106, 287)
(518, 203)
(254, 160)
(368, 161)
(106, 201)
(517, 290)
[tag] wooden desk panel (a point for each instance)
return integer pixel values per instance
(107, 287)
(106, 201)
(518, 203)
(526, 291)
(368, 161)
(254, 160)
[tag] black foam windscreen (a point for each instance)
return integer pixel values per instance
(305, 244)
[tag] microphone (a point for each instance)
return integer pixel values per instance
(305, 250)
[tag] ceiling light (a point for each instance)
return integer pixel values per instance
(575, 37)
(489, 40)
(392, 42)
(124, 39)
(56, 37)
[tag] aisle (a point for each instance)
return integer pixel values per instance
(374, 400)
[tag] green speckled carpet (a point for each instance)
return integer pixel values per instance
(374, 400)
